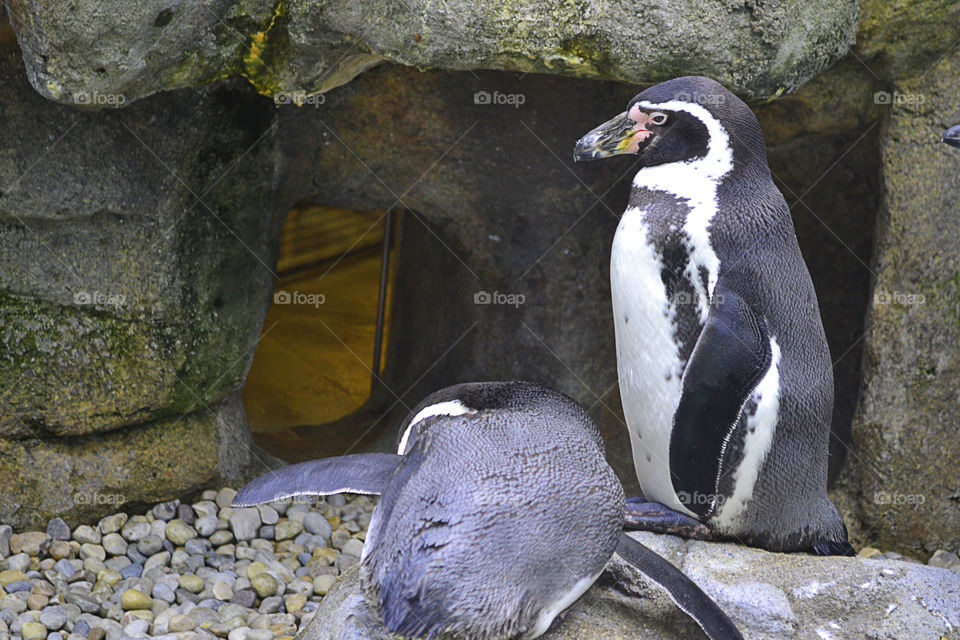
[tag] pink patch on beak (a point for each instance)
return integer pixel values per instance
(642, 134)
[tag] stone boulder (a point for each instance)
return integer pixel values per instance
(768, 595)
(134, 273)
(108, 53)
(903, 469)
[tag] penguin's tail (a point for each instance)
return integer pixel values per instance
(366, 473)
(681, 589)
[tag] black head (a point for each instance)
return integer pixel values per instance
(681, 120)
(471, 398)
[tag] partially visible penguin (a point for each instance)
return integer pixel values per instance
(497, 513)
(724, 370)
(952, 136)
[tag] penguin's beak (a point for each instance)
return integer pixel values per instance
(618, 135)
(952, 136)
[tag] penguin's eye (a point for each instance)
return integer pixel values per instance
(658, 117)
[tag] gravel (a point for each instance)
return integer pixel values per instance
(180, 571)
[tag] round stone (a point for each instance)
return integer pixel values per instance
(43, 588)
(28, 542)
(109, 577)
(33, 631)
(180, 623)
(114, 544)
(221, 590)
(244, 598)
(157, 560)
(90, 550)
(132, 570)
(163, 591)
(268, 515)
(186, 514)
(323, 583)
(206, 525)
(135, 530)
(11, 575)
(353, 547)
(221, 537)
(225, 497)
(150, 544)
(165, 511)
(18, 562)
(35, 601)
(135, 599)
(58, 529)
(244, 523)
(54, 617)
(197, 546)
(59, 549)
(86, 534)
(254, 568)
(264, 584)
(65, 568)
(112, 523)
(178, 532)
(192, 583)
(295, 601)
(287, 529)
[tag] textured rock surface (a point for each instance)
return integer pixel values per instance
(905, 457)
(768, 595)
(130, 293)
(102, 53)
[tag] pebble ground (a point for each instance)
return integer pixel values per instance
(180, 571)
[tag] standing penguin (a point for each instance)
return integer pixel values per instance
(497, 513)
(724, 370)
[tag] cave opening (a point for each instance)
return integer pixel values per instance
(325, 332)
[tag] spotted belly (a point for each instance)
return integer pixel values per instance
(649, 362)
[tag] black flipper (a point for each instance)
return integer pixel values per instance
(682, 590)
(730, 358)
(647, 515)
(358, 473)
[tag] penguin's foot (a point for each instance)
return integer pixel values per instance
(645, 515)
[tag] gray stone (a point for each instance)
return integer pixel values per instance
(132, 570)
(178, 532)
(268, 515)
(53, 617)
(244, 523)
(945, 560)
(163, 591)
(225, 497)
(901, 477)
(65, 568)
(150, 545)
(86, 534)
(316, 524)
(165, 511)
(114, 544)
(185, 514)
(83, 57)
(206, 525)
(767, 595)
(244, 598)
(135, 530)
(19, 562)
(112, 523)
(57, 529)
(353, 547)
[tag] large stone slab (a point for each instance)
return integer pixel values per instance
(107, 52)
(768, 595)
(134, 253)
(904, 467)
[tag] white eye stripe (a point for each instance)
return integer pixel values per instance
(448, 408)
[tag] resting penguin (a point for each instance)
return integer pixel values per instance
(497, 513)
(725, 375)
(952, 135)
